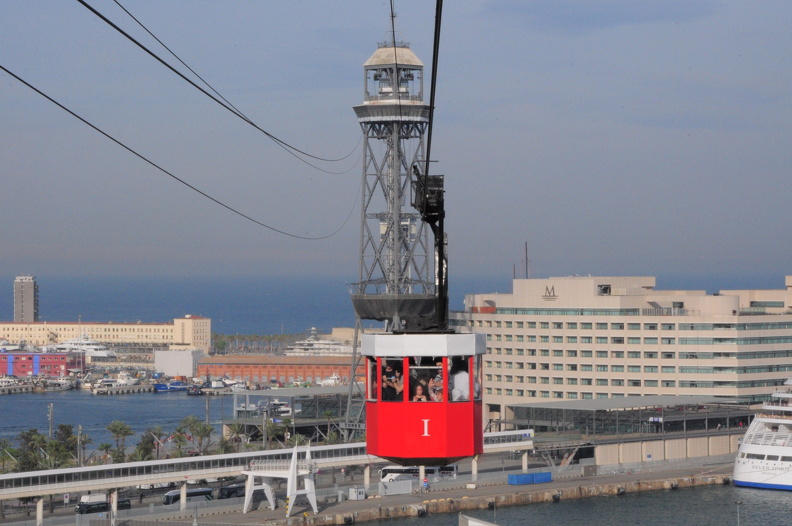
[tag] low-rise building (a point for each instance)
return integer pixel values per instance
(188, 332)
(265, 369)
(585, 337)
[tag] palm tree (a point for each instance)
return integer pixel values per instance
(189, 424)
(120, 431)
(203, 431)
(5, 451)
(237, 433)
(159, 437)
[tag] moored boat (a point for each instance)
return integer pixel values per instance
(764, 458)
(175, 385)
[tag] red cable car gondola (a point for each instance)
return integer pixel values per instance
(424, 397)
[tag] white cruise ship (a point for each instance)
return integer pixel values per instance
(91, 348)
(764, 459)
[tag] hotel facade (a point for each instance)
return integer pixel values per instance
(605, 337)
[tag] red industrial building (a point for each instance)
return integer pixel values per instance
(27, 364)
(284, 369)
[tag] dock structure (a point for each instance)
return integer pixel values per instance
(17, 389)
(123, 389)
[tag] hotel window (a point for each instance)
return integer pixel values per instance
(498, 337)
(558, 381)
(650, 326)
(508, 324)
(544, 324)
(586, 354)
(544, 339)
(509, 352)
(531, 352)
(558, 394)
(586, 381)
(602, 395)
(668, 341)
(520, 365)
(587, 396)
(508, 378)
(669, 383)
(585, 339)
(669, 355)
(531, 379)
(617, 368)
(650, 383)
(532, 366)
(497, 324)
(602, 354)
(571, 325)
(519, 337)
(498, 350)
(508, 337)
(498, 378)
(571, 381)
(497, 365)
(633, 340)
(532, 394)
(572, 367)
(571, 339)
(633, 326)
(650, 355)
(586, 367)
(519, 325)
(520, 352)
(520, 392)
(544, 352)
(617, 340)
(667, 326)
(668, 369)
(558, 352)
(617, 326)
(558, 367)
(634, 383)
(650, 341)
(544, 394)
(520, 379)
(531, 325)
(572, 395)
(602, 368)
(508, 392)
(544, 366)
(558, 339)
(617, 354)
(617, 383)
(498, 391)
(650, 368)
(602, 381)
(602, 339)
(544, 380)
(633, 368)
(558, 325)
(602, 326)
(488, 377)
(633, 354)
(531, 338)
(571, 354)
(488, 323)
(585, 325)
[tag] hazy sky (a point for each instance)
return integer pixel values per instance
(614, 137)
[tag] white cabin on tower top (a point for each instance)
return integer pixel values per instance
(393, 74)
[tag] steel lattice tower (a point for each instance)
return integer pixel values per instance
(396, 281)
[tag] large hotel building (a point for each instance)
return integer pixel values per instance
(606, 337)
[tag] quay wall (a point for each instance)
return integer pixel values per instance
(671, 449)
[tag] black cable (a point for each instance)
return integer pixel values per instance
(163, 170)
(286, 146)
(435, 55)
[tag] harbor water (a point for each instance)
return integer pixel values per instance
(140, 411)
(697, 506)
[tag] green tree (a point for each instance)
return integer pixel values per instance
(328, 415)
(7, 452)
(203, 432)
(237, 434)
(158, 434)
(120, 431)
(30, 443)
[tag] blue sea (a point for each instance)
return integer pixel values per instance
(258, 305)
(235, 305)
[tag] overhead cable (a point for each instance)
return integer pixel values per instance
(169, 174)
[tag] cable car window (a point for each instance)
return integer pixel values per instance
(477, 377)
(459, 379)
(371, 393)
(426, 379)
(392, 380)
